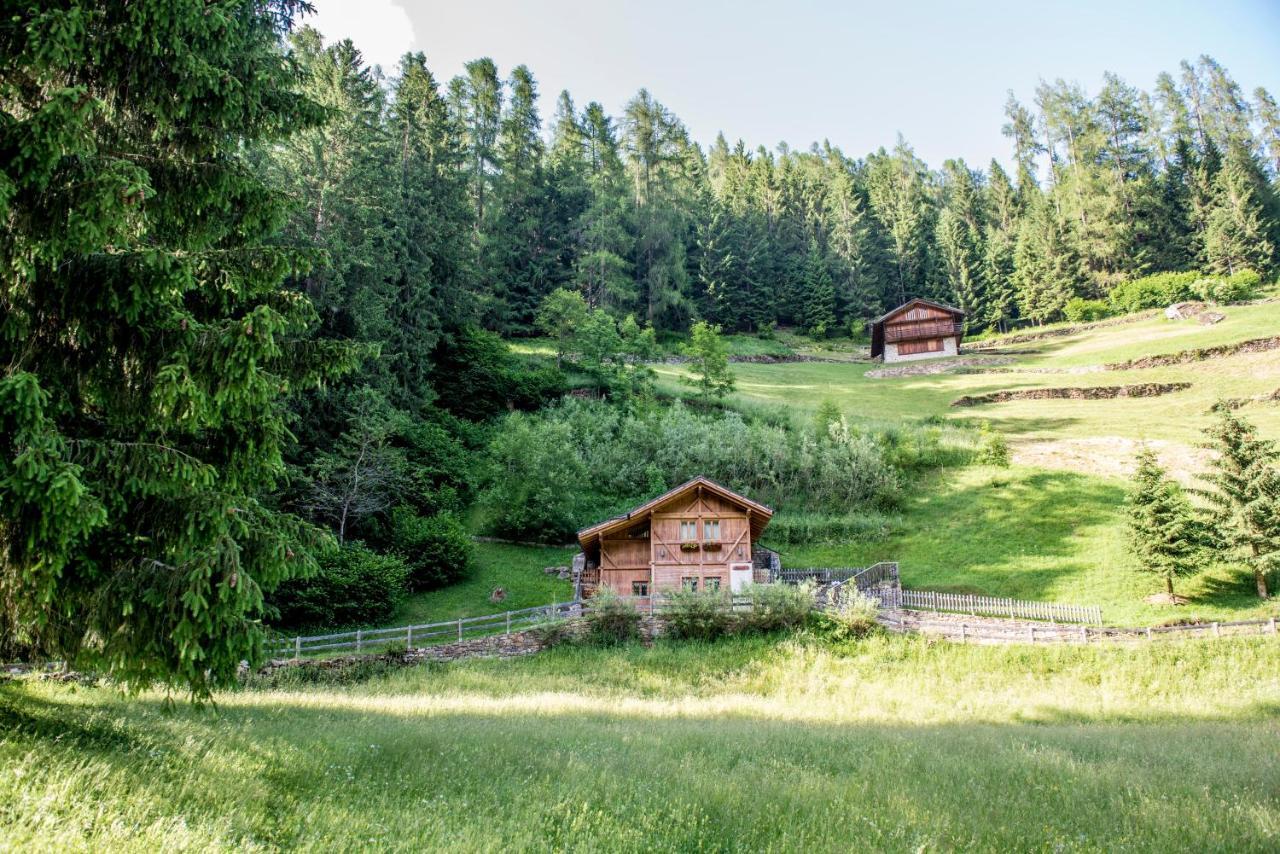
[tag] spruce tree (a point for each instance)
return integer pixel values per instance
(1164, 533)
(146, 339)
(1246, 494)
(708, 362)
(819, 296)
(1238, 232)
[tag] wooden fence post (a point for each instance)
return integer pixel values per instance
(1217, 632)
(1031, 631)
(508, 622)
(408, 638)
(1148, 633)
(459, 628)
(963, 633)
(1084, 635)
(297, 643)
(359, 636)
(1273, 625)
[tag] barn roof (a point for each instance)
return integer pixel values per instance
(913, 302)
(760, 510)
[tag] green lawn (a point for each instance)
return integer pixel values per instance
(892, 744)
(1034, 534)
(516, 569)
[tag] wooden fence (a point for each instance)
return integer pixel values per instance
(987, 630)
(369, 640)
(867, 576)
(989, 606)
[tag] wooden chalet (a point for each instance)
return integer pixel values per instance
(919, 329)
(698, 536)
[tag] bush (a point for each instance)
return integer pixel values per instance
(697, 616)
(1155, 291)
(354, 585)
(611, 620)
(777, 606)
(994, 450)
(437, 549)
(803, 528)
(1238, 287)
(1079, 310)
(852, 618)
(552, 632)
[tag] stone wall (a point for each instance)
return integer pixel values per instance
(1102, 392)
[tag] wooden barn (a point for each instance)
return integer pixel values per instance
(698, 536)
(919, 329)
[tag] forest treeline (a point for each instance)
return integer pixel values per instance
(459, 201)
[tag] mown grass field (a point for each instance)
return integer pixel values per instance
(750, 744)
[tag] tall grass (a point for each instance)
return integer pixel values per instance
(752, 743)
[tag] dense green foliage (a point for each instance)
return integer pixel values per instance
(438, 549)
(556, 471)
(145, 337)
(612, 620)
(641, 221)
(355, 586)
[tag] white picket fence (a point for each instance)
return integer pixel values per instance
(990, 606)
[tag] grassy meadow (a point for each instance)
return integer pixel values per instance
(1052, 525)
(890, 743)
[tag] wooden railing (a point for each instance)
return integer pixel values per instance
(370, 640)
(924, 329)
(864, 577)
(989, 606)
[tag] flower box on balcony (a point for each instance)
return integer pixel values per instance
(689, 547)
(711, 546)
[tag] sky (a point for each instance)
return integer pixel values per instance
(856, 74)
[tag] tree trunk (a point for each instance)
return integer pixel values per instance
(1259, 577)
(1168, 585)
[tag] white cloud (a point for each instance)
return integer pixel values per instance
(381, 29)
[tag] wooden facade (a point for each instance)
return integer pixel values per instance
(698, 536)
(919, 329)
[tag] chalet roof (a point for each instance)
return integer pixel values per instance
(707, 483)
(913, 302)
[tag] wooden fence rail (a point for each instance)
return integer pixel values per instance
(988, 631)
(990, 606)
(361, 640)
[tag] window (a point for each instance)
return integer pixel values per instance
(639, 588)
(711, 530)
(688, 530)
(711, 585)
(690, 584)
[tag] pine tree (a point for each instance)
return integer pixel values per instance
(1047, 271)
(602, 270)
(1164, 533)
(1238, 233)
(1246, 493)
(959, 237)
(146, 339)
(820, 294)
(708, 362)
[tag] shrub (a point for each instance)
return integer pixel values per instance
(777, 606)
(552, 632)
(1238, 287)
(611, 620)
(994, 450)
(354, 585)
(437, 549)
(853, 617)
(1079, 310)
(697, 616)
(1155, 291)
(803, 528)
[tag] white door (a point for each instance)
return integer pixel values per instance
(739, 576)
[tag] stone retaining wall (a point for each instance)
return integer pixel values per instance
(1104, 392)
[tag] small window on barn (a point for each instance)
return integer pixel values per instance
(690, 584)
(711, 530)
(711, 585)
(639, 588)
(688, 530)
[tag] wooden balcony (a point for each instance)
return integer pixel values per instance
(895, 332)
